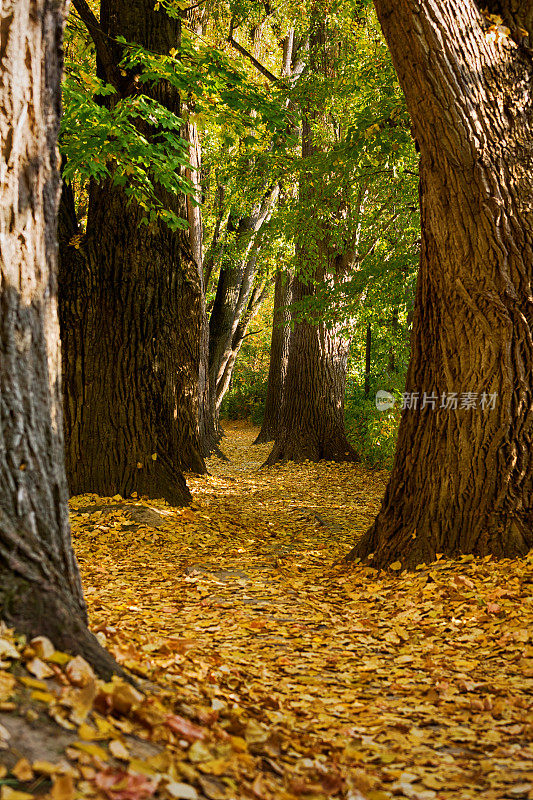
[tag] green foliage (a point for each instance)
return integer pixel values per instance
(373, 433)
(134, 142)
(246, 397)
(353, 198)
(210, 83)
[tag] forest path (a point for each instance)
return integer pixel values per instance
(332, 681)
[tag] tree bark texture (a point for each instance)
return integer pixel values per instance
(279, 354)
(131, 313)
(40, 588)
(208, 435)
(462, 481)
(311, 423)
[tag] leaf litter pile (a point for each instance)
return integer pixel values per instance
(264, 667)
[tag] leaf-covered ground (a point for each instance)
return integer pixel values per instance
(270, 670)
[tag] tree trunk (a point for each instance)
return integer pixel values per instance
(311, 424)
(254, 304)
(208, 435)
(462, 480)
(368, 358)
(234, 289)
(40, 588)
(279, 354)
(131, 322)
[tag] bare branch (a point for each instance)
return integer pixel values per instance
(253, 333)
(100, 40)
(242, 50)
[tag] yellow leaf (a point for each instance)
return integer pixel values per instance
(63, 788)
(198, 752)
(396, 566)
(59, 658)
(43, 697)
(22, 770)
(136, 765)
(239, 744)
(118, 750)
(91, 750)
(45, 767)
(7, 793)
(33, 683)
(87, 733)
(7, 684)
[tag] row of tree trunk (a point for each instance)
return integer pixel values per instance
(462, 481)
(144, 370)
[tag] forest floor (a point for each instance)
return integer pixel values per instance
(267, 668)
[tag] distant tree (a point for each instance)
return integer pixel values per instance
(40, 588)
(239, 295)
(462, 477)
(279, 354)
(311, 419)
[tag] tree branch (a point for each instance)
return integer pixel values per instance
(253, 333)
(99, 38)
(242, 50)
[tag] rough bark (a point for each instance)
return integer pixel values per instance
(131, 313)
(279, 354)
(311, 423)
(40, 588)
(462, 480)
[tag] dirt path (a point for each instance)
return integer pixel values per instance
(332, 682)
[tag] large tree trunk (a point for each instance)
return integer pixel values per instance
(462, 480)
(311, 423)
(40, 589)
(131, 323)
(279, 354)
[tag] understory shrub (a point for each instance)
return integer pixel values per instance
(246, 397)
(372, 432)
